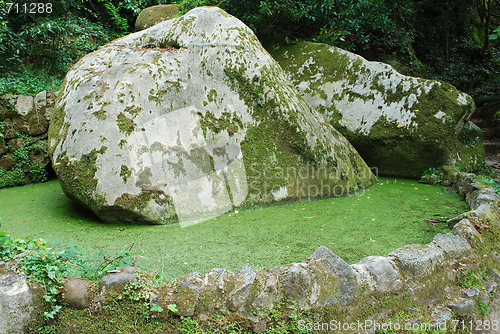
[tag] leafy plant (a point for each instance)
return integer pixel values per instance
(49, 264)
(495, 34)
(491, 181)
(469, 278)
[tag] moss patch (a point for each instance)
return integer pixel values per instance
(79, 175)
(125, 124)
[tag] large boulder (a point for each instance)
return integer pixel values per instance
(402, 125)
(150, 16)
(187, 119)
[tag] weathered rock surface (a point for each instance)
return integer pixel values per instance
(402, 125)
(187, 119)
(21, 305)
(463, 306)
(116, 281)
(150, 16)
(378, 273)
(76, 293)
(453, 245)
(418, 260)
(24, 122)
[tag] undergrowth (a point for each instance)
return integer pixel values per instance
(50, 264)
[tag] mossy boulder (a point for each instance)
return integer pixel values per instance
(22, 305)
(400, 124)
(150, 16)
(192, 117)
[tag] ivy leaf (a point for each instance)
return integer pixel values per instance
(156, 308)
(173, 308)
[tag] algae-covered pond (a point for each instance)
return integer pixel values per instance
(389, 215)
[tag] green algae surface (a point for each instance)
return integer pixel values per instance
(391, 214)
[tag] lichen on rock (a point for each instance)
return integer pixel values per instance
(189, 118)
(402, 125)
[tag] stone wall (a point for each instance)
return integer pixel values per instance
(24, 122)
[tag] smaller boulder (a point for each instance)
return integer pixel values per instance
(453, 245)
(418, 260)
(463, 306)
(76, 293)
(116, 281)
(465, 229)
(21, 305)
(244, 281)
(471, 292)
(378, 273)
(335, 279)
(150, 16)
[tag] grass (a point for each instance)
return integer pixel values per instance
(389, 215)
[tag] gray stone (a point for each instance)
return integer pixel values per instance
(463, 306)
(116, 282)
(76, 293)
(21, 305)
(215, 291)
(334, 279)
(401, 124)
(297, 284)
(192, 140)
(491, 287)
(238, 298)
(418, 260)
(378, 273)
(442, 319)
(24, 104)
(154, 298)
(487, 196)
(188, 293)
(268, 292)
(471, 292)
(464, 228)
(128, 270)
(150, 16)
(494, 315)
(495, 275)
(453, 245)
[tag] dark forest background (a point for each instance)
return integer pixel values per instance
(452, 40)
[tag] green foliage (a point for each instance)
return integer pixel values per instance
(36, 50)
(355, 25)
(494, 182)
(483, 308)
(350, 24)
(29, 80)
(50, 264)
(470, 278)
(495, 35)
(431, 171)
